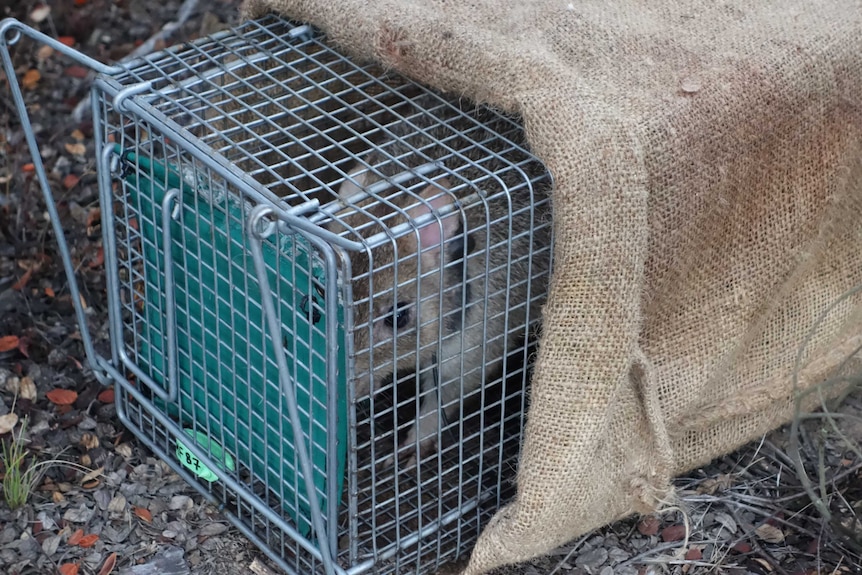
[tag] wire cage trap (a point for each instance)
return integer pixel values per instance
(323, 286)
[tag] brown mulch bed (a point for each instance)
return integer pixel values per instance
(749, 512)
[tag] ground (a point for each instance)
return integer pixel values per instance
(747, 512)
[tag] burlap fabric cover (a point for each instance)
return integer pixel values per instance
(708, 206)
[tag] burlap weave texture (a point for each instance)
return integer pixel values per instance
(707, 208)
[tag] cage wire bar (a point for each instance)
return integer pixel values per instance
(236, 304)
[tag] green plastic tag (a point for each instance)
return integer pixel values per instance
(189, 460)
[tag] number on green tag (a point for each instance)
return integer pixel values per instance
(190, 461)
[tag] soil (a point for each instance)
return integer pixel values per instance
(749, 512)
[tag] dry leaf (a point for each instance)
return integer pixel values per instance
(106, 396)
(28, 168)
(67, 40)
(76, 537)
(39, 13)
(8, 342)
(77, 134)
(77, 149)
(673, 533)
(76, 71)
(30, 79)
(7, 422)
(24, 347)
(124, 450)
(693, 554)
(49, 291)
(763, 563)
(143, 513)
(27, 389)
(93, 474)
(89, 441)
(88, 540)
(62, 396)
(712, 484)
(69, 569)
(770, 533)
(98, 260)
(44, 53)
(13, 385)
(19, 285)
(71, 180)
(109, 564)
(117, 504)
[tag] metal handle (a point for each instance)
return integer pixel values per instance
(258, 229)
(11, 31)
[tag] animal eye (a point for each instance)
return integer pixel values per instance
(398, 315)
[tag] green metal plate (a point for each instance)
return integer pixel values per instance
(227, 374)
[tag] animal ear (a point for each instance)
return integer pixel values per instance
(357, 179)
(433, 233)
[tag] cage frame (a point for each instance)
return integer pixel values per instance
(270, 215)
